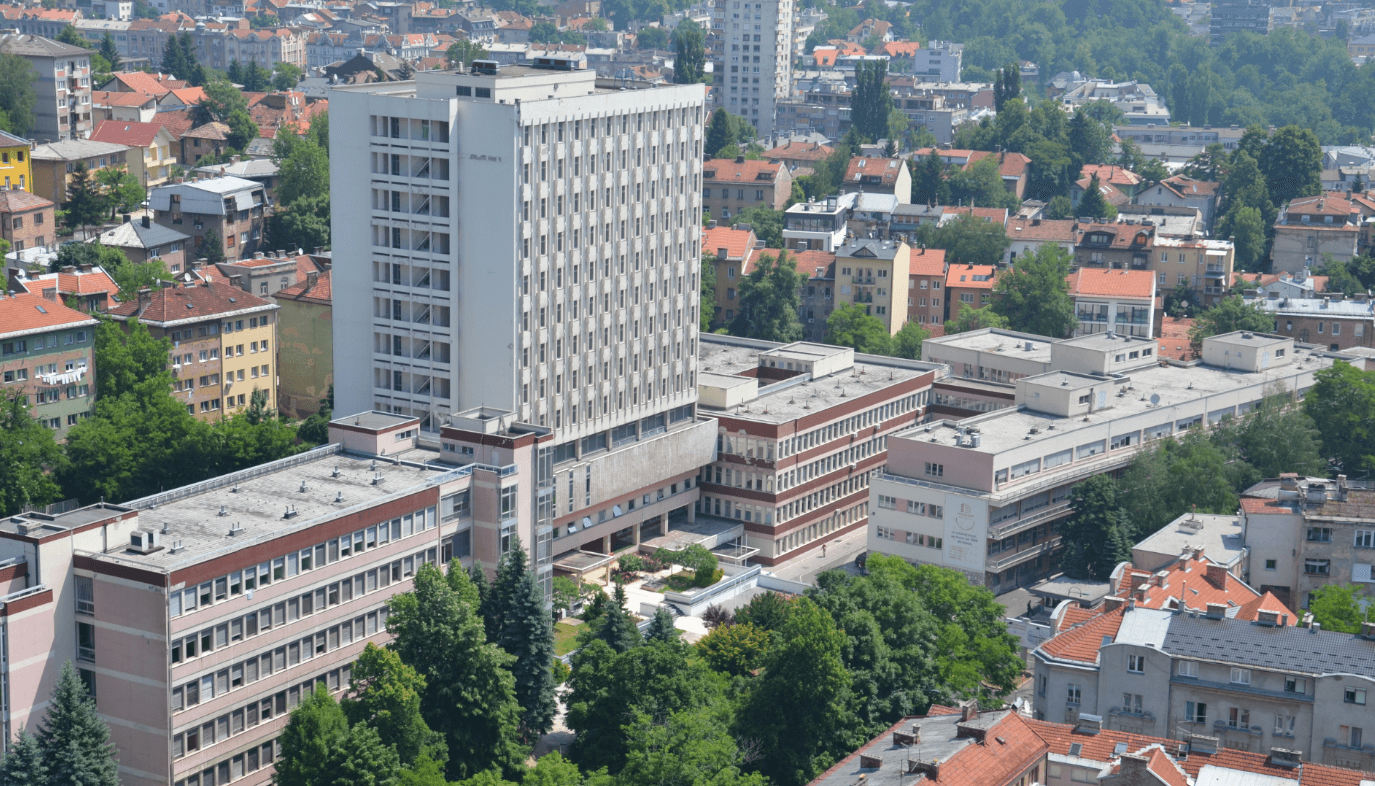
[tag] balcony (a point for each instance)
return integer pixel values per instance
(1025, 521)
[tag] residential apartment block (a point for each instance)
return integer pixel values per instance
(1332, 320)
(873, 274)
(53, 164)
(802, 430)
(305, 335)
(968, 286)
(1254, 684)
(1311, 228)
(925, 281)
(143, 240)
(230, 207)
(1113, 301)
(26, 220)
(151, 155)
(756, 67)
(224, 344)
(62, 81)
(991, 488)
(878, 176)
(589, 200)
(734, 251)
(201, 616)
(46, 354)
(732, 185)
(16, 168)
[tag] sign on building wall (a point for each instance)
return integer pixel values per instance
(966, 529)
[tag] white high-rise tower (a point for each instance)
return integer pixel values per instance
(757, 71)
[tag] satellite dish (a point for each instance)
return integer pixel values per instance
(1155, 399)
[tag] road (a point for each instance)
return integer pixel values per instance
(840, 553)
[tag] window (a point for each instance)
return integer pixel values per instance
(85, 595)
(1319, 535)
(1270, 565)
(85, 641)
(1241, 676)
(1365, 538)
(1295, 685)
(1188, 668)
(935, 470)
(1136, 664)
(1284, 725)
(1131, 702)
(1238, 718)
(1354, 695)
(1317, 567)
(1074, 694)
(1195, 712)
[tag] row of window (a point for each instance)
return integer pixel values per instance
(909, 506)
(296, 563)
(911, 538)
(39, 343)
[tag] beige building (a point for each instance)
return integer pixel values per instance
(230, 207)
(1311, 228)
(305, 336)
(874, 274)
(151, 155)
(53, 164)
(732, 185)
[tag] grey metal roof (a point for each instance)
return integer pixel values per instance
(1286, 648)
(133, 234)
(38, 46)
(75, 150)
(10, 140)
(206, 196)
(254, 167)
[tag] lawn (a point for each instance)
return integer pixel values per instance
(565, 638)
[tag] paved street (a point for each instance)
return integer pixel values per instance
(840, 553)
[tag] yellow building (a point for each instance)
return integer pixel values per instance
(16, 170)
(873, 274)
(248, 346)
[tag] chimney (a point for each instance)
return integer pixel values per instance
(1201, 743)
(69, 269)
(86, 267)
(1268, 618)
(145, 298)
(1217, 576)
(969, 709)
(1217, 611)
(1088, 723)
(147, 222)
(1111, 604)
(311, 278)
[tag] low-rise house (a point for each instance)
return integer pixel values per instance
(798, 154)
(1330, 320)
(263, 171)
(1012, 167)
(267, 274)
(229, 207)
(207, 139)
(878, 176)
(224, 344)
(16, 168)
(925, 279)
(1181, 191)
(732, 185)
(26, 220)
(968, 285)
(1113, 301)
(150, 158)
(47, 354)
(819, 225)
(1309, 229)
(1302, 284)
(88, 287)
(1029, 234)
(54, 163)
(1204, 266)
(305, 334)
(1118, 246)
(125, 107)
(142, 240)
(733, 251)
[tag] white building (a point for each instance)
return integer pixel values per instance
(525, 239)
(1113, 301)
(940, 61)
(757, 71)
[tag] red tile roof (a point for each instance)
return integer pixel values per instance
(1268, 602)
(964, 276)
(1264, 507)
(153, 84)
(1111, 174)
(993, 215)
(112, 98)
(737, 242)
(886, 170)
(801, 151)
(1332, 203)
(25, 313)
(15, 201)
(1174, 337)
(178, 121)
(1043, 229)
(926, 262)
(1196, 580)
(825, 57)
(173, 305)
(1082, 643)
(1072, 615)
(728, 170)
(119, 132)
(1008, 748)
(1188, 187)
(898, 48)
(811, 262)
(321, 293)
(1091, 282)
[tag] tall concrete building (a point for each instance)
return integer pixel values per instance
(756, 67)
(62, 82)
(524, 239)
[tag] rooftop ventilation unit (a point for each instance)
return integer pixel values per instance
(145, 541)
(485, 67)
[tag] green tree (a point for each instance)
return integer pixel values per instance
(1338, 607)
(553, 769)
(470, 693)
(122, 191)
(28, 454)
(692, 748)
(1228, 315)
(798, 710)
(1034, 296)
(597, 25)
(970, 318)
(1342, 404)
(285, 75)
(1059, 208)
(850, 325)
(317, 728)
(980, 184)
(17, 94)
(465, 52)
(1173, 477)
(23, 765)
(386, 696)
(1292, 164)
(707, 293)
(721, 132)
(735, 649)
(929, 186)
(73, 743)
(1094, 204)
(69, 35)
(1274, 437)
(528, 634)
(305, 224)
(109, 51)
(363, 759)
(769, 298)
(1095, 536)
(907, 341)
(872, 100)
(971, 240)
(689, 63)
(617, 627)
(653, 38)
(303, 169)
(1090, 142)
(661, 627)
(1247, 230)
(85, 203)
(210, 248)
(766, 611)
(766, 223)
(425, 772)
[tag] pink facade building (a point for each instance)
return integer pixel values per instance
(200, 616)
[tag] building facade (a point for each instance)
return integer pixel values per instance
(53, 164)
(16, 168)
(231, 208)
(756, 69)
(26, 220)
(873, 275)
(305, 334)
(587, 265)
(62, 81)
(1113, 301)
(730, 186)
(47, 356)
(1310, 229)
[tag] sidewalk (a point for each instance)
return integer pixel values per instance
(840, 553)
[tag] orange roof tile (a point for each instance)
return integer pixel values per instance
(1332, 203)
(826, 56)
(1073, 615)
(728, 170)
(1267, 602)
(1260, 506)
(1044, 229)
(122, 132)
(886, 170)
(1174, 337)
(112, 98)
(1009, 747)
(898, 48)
(173, 305)
(926, 262)
(736, 242)
(1111, 174)
(321, 293)
(802, 151)
(16, 201)
(1196, 580)
(141, 82)
(1082, 643)
(971, 276)
(1092, 282)
(23, 313)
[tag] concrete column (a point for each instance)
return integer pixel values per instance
(692, 512)
(663, 521)
(606, 544)
(638, 527)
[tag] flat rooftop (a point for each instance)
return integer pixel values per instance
(1008, 428)
(790, 399)
(1007, 342)
(1219, 536)
(199, 517)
